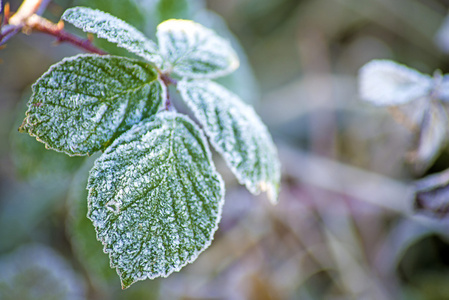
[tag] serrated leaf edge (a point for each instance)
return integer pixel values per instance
(272, 189)
(23, 127)
(219, 214)
(155, 58)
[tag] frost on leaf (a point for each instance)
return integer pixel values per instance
(114, 30)
(155, 198)
(385, 82)
(191, 50)
(237, 133)
(84, 102)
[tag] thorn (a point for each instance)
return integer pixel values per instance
(90, 37)
(60, 25)
(2, 47)
(7, 12)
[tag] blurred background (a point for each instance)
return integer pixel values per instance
(345, 226)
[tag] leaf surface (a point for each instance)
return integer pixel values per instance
(114, 30)
(237, 133)
(384, 82)
(82, 103)
(191, 50)
(155, 198)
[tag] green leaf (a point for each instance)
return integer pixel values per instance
(114, 30)
(155, 197)
(82, 103)
(237, 133)
(33, 162)
(191, 50)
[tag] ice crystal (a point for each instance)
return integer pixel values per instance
(114, 30)
(194, 51)
(83, 102)
(155, 197)
(237, 133)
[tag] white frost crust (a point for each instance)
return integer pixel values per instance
(114, 30)
(237, 133)
(387, 83)
(111, 153)
(194, 51)
(115, 115)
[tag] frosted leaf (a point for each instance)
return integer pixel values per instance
(155, 198)
(114, 30)
(81, 103)
(433, 136)
(192, 50)
(237, 133)
(385, 82)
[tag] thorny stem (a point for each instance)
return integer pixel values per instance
(27, 18)
(56, 30)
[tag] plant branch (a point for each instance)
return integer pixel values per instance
(57, 30)
(28, 18)
(167, 80)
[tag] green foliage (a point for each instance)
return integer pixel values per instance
(32, 160)
(154, 197)
(236, 132)
(191, 50)
(114, 30)
(83, 102)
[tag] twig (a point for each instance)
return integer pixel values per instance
(28, 18)
(167, 80)
(57, 30)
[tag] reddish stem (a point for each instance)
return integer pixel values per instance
(63, 36)
(167, 80)
(27, 19)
